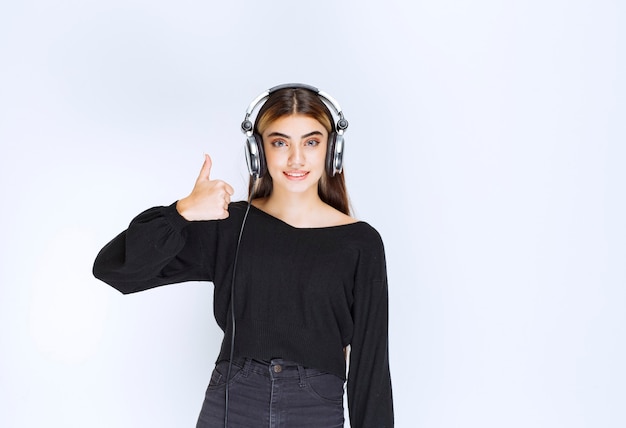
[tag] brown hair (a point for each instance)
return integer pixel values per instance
(286, 102)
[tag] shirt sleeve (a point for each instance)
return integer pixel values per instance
(159, 247)
(370, 401)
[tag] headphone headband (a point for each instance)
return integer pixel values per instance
(247, 127)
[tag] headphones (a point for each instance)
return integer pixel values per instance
(255, 157)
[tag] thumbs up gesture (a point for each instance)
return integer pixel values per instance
(209, 199)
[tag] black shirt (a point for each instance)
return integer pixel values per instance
(301, 294)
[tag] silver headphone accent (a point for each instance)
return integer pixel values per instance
(254, 152)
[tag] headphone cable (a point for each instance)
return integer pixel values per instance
(232, 313)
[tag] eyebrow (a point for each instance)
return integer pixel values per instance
(280, 134)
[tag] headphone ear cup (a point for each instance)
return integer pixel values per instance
(262, 164)
(334, 154)
(255, 158)
(330, 154)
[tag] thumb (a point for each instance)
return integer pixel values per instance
(205, 172)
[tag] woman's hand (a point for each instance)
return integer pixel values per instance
(209, 199)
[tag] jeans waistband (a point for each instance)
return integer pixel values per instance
(276, 368)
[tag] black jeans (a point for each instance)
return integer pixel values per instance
(279, 394)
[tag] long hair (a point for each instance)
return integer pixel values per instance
(285, 102)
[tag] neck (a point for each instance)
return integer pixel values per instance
(298, 209)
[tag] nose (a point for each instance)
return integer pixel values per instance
(296, 156)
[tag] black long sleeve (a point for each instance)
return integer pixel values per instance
(307, 292)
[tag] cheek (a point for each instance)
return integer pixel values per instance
(321, 157)
(321, 154)
(274, 157)
(270, 155)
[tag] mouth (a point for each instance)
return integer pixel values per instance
(296, 175)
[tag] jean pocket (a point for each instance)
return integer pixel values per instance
(327, 387)
(220, 374)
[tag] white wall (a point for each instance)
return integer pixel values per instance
(486, 144)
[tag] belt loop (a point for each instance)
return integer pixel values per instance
(302, 373)
(245, 371)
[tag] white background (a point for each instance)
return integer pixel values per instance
(486, 144)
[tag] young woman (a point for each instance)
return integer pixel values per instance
(297, 281)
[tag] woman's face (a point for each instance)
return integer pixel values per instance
(295, 152)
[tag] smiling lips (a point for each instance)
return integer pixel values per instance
(296, 175)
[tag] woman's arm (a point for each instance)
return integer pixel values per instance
(159, 247)
(164, 245)
(370, 400)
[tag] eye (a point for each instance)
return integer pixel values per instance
(278, 143)
(312, 143)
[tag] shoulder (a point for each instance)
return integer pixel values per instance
(236, 213)
(335, 217)
(367, 234)
(371, 262)
(238, 207)
(359, 235)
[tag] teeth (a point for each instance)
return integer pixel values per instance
(296, 174)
